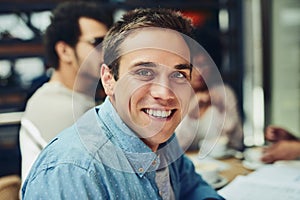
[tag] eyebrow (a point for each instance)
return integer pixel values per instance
(152, 64)
(184, 66)
(146, 64)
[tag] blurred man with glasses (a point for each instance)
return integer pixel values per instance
(72, 50)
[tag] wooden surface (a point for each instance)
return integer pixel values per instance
(235, 166)
(9, 187)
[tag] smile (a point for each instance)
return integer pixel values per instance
(159, 113)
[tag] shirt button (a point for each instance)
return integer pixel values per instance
(154, 163)
(141, 170)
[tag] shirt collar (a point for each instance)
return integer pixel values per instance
(139, 155)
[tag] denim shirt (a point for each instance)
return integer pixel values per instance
(99, 157)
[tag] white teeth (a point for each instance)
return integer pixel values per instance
(159, 113)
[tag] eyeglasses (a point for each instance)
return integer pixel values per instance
(94, 41)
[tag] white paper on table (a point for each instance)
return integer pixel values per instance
(274, 173)
(268, 183)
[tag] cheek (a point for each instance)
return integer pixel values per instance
(184, 94)
(127, 94)
(137, 98)
(81, 54)
(129, 87)
(128, 108)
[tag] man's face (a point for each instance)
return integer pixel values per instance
(153, 91)
(87, 58)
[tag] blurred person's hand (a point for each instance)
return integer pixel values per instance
(275, 134)
(282, 150)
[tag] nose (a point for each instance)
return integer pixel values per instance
(162, 90)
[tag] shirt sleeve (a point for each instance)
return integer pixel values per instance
(193, 187)
(64, 181)
(31, 145)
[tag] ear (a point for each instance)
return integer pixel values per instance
(108, 80)
(64, 51)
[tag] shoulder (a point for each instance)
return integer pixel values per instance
(50, 89)
(51, 109)
(64, 148)
(229, 89)
(49, 93)
(64, 163)
(76, 145)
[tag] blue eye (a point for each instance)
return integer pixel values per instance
(144, 72)
(179, 77)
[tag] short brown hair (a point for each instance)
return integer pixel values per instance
(140, 18)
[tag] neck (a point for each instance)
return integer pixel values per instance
(153, 147)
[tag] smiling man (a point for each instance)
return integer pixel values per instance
(126, 147)
(156, 77)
